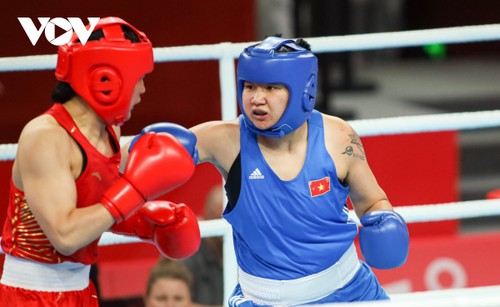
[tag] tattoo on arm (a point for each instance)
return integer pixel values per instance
(349, 150)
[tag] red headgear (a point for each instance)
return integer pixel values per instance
(104, 72)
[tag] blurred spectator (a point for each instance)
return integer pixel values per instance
(168, 285)
(206, 264)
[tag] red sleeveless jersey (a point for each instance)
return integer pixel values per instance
(23, 237)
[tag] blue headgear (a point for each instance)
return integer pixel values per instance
(297, 70)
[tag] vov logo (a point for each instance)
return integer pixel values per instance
(48, 26)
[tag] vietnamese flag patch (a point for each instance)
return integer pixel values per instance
(319, 187)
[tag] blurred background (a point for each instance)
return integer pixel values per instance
(413, 169)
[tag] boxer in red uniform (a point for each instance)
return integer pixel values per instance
(66, 188)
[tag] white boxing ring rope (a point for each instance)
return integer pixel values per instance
(357, 42)
(225, 53)
(468, 297)
(382, 126)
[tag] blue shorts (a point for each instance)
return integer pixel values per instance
(364, 286)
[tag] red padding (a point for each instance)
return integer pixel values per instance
(493, 194)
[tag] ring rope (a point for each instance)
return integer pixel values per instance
(381, 126)
(356, 42)
(488, 296)
(412, 214)
(427, 123)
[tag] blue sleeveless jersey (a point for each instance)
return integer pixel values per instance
(290, 229)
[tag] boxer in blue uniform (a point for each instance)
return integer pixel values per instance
(289, 171)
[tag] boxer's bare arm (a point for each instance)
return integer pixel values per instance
(45, 169)
(218, 143)
(347, 150)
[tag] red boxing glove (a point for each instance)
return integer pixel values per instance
(180, 239)
(157, 164)
(173, 228)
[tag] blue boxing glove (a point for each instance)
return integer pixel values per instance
(183, 135)
(384, 239)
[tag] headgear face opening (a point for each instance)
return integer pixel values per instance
(297, 70)
(105, 72)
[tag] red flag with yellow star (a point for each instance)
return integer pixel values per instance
(319, 187)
